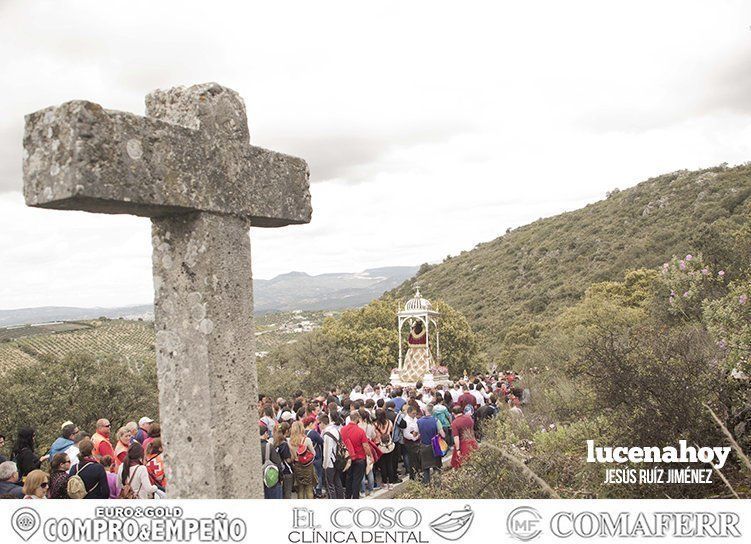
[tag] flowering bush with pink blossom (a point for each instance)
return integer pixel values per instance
(688, 282)
(729, 321)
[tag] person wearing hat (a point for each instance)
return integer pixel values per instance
(144, 426)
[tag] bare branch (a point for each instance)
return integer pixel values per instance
(525, 469)
(729, 436)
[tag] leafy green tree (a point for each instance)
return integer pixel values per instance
(79, 388)
(361, 346)
(729, 320)
(370, 335)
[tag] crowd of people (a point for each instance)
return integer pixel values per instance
(87, 466)
(343, 445)
(336, 445)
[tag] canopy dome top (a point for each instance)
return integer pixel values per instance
(417, 303)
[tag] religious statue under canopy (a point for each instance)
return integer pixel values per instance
(416, 362)
(417, 335)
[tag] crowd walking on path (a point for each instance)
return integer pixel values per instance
(376, 436)
(334, 445)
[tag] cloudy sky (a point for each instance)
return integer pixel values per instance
(428, 126)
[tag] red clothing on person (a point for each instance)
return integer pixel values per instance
(155, 466)
(354, 437)
(463, 427)
(121, 452)
(102, 446)
(467, 398)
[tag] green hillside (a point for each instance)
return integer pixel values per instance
(509, 287)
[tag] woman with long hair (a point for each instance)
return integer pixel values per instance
(281, 434)
(384, 431)
(23, 452)
(36, 485)
(303, 453)
(134, 473)
(366, 424)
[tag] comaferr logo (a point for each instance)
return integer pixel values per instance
(653, 524)
(526, 523)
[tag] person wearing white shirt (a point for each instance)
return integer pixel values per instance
(412, 442)
(456, 392)
(476, 393)
(368, 392)
(331, 437)
(137, 475)
(356, 394)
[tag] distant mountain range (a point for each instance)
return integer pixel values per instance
(286, 292)
(301, 291)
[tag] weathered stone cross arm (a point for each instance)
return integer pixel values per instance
(189, 166)
(192, 153)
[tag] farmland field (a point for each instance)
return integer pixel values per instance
(129, 340)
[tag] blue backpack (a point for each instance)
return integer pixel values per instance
(398, 435)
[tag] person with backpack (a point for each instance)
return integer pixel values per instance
(303, 455)
(400, 424)
(311, 432)
(271, 467)
(356, 442)
(442, 413)
(133, 477)
(334, 458)
(88, 479)
(429, 428)
(281, 434)
(384, 431)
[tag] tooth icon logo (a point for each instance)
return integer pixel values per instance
(25, 522)
(454, 525)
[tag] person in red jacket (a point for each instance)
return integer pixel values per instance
(356, 442)
(101, 440)
(467, 398)
(462, 430)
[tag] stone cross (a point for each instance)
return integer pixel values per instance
(189, 166)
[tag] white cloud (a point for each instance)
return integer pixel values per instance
(429, 126)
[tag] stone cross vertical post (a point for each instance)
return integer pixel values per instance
(189, 166)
